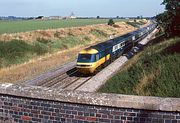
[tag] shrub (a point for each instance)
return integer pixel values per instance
(111, 22)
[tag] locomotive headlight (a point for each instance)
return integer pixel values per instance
(84, 65)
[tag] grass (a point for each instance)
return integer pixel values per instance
(156, 73)
(29, 25)
(69, 42)
(98, 33)
(16, 52)
(135, 24)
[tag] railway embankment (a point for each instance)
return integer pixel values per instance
(154, 72)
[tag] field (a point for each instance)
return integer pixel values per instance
(154, 72)
(29, 25)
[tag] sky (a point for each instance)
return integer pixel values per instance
(81, 8)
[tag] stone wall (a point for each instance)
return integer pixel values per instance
(28, 104)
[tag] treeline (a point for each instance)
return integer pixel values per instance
(169, 21)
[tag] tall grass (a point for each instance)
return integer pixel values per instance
(16, 52)
(69, 42)
(156, 73)
(98, 33)
(135, 24)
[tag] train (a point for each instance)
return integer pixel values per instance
(97, 56)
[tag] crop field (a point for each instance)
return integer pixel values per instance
(29, 25)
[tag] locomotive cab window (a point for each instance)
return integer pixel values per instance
(97, 57)
(86, 58)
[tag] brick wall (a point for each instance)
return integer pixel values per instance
(24, 104)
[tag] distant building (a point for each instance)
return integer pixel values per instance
(45, 18)
(55, 17)
(72, 16)
(52, 18)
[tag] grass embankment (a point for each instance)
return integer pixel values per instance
(135, 23)
(16, 52)
(29, 25)
(155, 72)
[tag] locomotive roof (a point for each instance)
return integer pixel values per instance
(104, 45)
(137, 31)
(89, 51)
(109, 43)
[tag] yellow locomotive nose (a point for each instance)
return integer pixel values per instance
(85, 68)
(86, 61)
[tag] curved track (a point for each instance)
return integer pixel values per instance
(67, 79)
(70, 80)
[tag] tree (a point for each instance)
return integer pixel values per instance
(170, 19)
(111, 22)
(39, 17)
(98, 17)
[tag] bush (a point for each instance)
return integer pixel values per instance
(169, 20)
(111, 22)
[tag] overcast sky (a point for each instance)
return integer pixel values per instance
(103, 8)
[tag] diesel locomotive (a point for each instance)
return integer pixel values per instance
(94, 57)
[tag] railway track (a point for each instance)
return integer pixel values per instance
(70, 80)
(67, 79)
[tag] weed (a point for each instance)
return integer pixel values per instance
(98, 33)
(57, 34)
(42, 40)
(135, 24)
